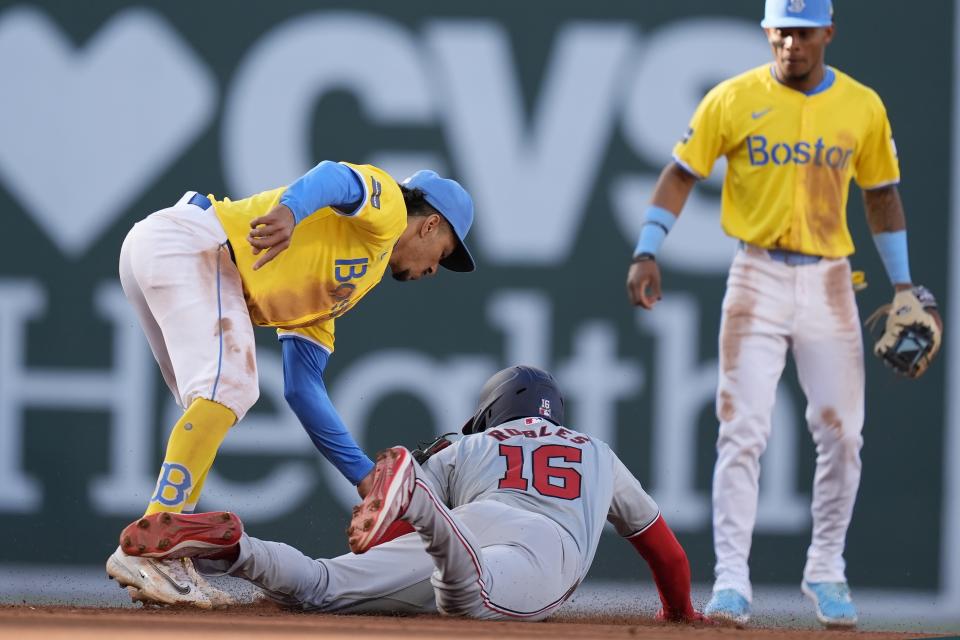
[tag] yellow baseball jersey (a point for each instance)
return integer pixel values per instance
(333, 260)
(790, 158)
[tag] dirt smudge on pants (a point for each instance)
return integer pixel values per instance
(737, 317)
(727, 411)
(831, 419)
(839, 294)
(224, 326)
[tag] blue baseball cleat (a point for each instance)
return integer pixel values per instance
(833, 603)
(728, 606)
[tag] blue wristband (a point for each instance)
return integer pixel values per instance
(892, 247)
(657, 223)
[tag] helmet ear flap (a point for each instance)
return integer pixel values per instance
(478, 422)
(483, 420)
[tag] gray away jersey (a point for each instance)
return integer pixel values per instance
(535, 465)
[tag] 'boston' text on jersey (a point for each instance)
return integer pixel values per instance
(802, 152)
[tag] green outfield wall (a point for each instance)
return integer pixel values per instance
(557, 116)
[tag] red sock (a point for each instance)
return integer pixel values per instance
(395, 530)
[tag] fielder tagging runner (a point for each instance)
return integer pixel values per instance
(507, 522)
(794, 133)
(201, 273)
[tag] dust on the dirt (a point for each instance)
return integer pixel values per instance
(264, 620)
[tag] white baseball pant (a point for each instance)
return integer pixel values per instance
(483, 560)
(769, 307)
(176, 272)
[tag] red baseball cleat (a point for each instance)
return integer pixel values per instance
(181, 535)
(393, 484)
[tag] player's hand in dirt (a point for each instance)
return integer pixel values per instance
(643, 283)
(689, 617)
(271, 233)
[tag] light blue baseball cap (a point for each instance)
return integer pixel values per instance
(455, 204)
(797, 13)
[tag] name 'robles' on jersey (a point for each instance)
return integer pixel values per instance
(790, 157)
(542, 432)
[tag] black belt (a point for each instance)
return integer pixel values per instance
(202, 201)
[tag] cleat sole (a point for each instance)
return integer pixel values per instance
(177, 535)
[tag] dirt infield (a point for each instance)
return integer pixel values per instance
(259, 622)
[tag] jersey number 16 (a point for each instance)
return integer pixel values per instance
(554, 482)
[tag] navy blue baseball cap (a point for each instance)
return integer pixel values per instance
(797, 13)
(455, 204)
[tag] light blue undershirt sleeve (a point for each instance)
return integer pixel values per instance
(892, 247)
(303, 367)
(329, 184)
(657, 223)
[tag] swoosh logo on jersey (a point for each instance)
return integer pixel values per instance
(759, 114)
(127, 103)
(181, 589)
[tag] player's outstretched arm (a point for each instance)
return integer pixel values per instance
(305, 392)
(670, 194)
(671, 570)
(636, 517)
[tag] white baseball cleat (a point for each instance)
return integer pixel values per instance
(170, 582)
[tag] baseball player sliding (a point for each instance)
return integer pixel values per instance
(794, 133)
(201, 273)
(506, 521)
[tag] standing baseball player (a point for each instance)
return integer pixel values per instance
(794, 133)
(203, 272)
(507, 522)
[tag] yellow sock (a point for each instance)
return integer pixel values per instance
(191, 504)
(191, 449)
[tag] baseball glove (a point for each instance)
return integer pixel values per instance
(911, 336)
(424, 451)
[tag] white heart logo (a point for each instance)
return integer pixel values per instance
(85, 130)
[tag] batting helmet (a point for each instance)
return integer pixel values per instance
(517, 392)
